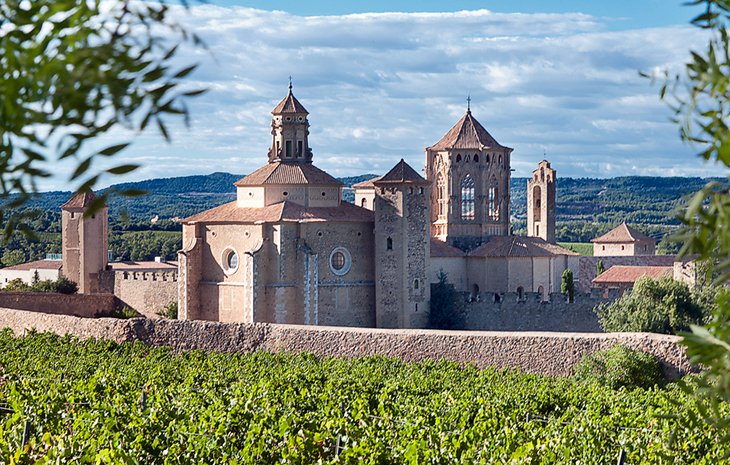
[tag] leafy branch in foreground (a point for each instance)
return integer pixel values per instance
(70, 72)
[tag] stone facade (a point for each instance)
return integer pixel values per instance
(623, 241)
(84, 242)
(147, 291)
(79, 305)
(535, 352)
(541, 202)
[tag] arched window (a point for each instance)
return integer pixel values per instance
(364, 203)
(474, 292)
(493, 200)
(441, 195)
(389, 243)
(467, 198)
(520, 293)
(541, 291)
(458, 157)
(416, 284)
(476, 158)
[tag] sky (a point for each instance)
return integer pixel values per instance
(384, 79)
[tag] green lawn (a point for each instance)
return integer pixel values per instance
(583, 248)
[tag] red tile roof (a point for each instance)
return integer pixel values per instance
(37, 265)
(442, 249)
(288, 173)
(467, 133)
(147, 265)
(623, 233)
(366, 184)
(80, 200)
(629, 274)
(401, 173)
(282, 212)
(519, 246)
(290, 104)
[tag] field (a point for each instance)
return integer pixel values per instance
(583, 248)
(100, 403)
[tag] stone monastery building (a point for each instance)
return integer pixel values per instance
(290, 250)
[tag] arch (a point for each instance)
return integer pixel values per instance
(364, 202)
(476, 158)
(416, 284)
(536, 202)
(541, 291)
(467, 159)
(487, 159)
(467, 198)
(458, 157)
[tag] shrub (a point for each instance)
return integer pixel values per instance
(656, 306)
(444, 314)
(169, 312)
(66, 286)
(620, 366)
(567, 286)
(17, 285)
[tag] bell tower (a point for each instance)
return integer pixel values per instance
(290, 131)
(469, 175)
(84, 242)
(541, 202)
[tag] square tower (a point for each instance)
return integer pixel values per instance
(541, 203)
(84, 241)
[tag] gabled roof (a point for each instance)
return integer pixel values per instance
(369, 184)
(288, 173)
(80, 200)
(290, 104)
(282, 212)
(630, 274)
(519, 246)
(37, 265)
(442, 249)
(623, 233)
(467, 133)
(401, 173)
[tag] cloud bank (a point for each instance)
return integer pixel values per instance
(382, 86)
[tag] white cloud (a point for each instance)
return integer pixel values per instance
(382, 86)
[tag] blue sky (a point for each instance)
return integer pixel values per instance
(382, 80)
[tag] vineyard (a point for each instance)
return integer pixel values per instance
(63, 401)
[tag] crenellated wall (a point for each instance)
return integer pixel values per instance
(80, 305)
(536, 352)
(148, 292)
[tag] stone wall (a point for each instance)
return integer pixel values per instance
(587, 269)
(529, 312)
(544, 353)
(80, 305)
(148, 292)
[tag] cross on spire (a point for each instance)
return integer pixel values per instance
(290, 86)
(468, 103)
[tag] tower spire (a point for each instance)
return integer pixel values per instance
(468, 102)
(290, 85)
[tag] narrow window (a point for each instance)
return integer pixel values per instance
(364, 203)
(389, 243)
(520, 293)
(476, 158)
(441, 194)
(288, 149)
(493, 201)
(299, 149)
(415, 284)
(467, 198)
(458, 157)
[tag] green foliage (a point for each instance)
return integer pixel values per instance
(97, 402)
(567, 286)
(169, 312)
(71, 72)
(125, 312)
(656, 306)
(444, 312)
(583, 248)
(619, 367)
(13, 257)
(62, 285)
(600, 269)
(145, 245)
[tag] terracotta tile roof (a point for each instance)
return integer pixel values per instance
(629, 274)
(401, 173)
(288, 173)
(139, 266)
(519, 246)
(37, 265)
(80, 200)
(283, 211)
(442, 249)
(366, 184)
(623, 233)
(290, 104)
(467, 133)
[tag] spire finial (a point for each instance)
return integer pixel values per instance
(290, 86)
(468, 102)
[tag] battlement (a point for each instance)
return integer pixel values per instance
(146, 275)
(594, 297)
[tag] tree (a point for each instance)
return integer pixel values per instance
(444, 314)
(70, 72)
(13, 257)
(599, 268)
(654, 306)
(567, 286)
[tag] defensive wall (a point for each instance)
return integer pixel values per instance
(531, 311)
(536, 352)
(80, 305)
(148, 292)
